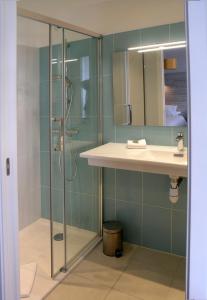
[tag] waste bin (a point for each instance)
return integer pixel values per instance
(112, 238)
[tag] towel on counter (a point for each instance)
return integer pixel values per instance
(136, 144)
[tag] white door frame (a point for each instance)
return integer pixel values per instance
(9, 250)
(196, 15)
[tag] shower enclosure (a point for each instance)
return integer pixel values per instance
(60, 208)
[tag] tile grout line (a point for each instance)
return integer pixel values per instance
(121, 273)
(116, 281)
(130, 295)
(115, 195)
(113, 47)
(112, 288)
(109, 198)
(112, 75)
(108, 293)
(142, 208)
(175, 272)
(171, 230)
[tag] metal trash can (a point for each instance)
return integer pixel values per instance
(112, 238)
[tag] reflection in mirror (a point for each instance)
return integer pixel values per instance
(149, 85)
(175, 87)
(128, 92)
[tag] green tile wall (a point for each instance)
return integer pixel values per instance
(140, 200)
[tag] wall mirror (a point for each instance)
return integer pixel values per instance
(150, 85)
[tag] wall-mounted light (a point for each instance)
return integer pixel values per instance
(55, 60)
(161, 48)
(71, 60)
(158, 47)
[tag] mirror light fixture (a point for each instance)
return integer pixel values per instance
(158, 47)
(55, 60)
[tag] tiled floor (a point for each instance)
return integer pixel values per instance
(35, 247)
(141, 274)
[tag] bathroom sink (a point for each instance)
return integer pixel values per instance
(162, 156)
(153, 159)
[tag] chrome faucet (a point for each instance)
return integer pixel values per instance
(180, 140)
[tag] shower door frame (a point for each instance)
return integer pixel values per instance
(51, 22)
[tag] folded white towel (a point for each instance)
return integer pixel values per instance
(136, 144)
(27, 277)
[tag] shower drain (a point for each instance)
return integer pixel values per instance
(58, 237)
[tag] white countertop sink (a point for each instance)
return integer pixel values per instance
(153, 159)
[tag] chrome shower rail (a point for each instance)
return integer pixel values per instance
(64, 269)
(50, 147)
(52, 21)
(100, 126)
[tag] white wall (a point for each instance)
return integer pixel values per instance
(110, 16)
(28, 134)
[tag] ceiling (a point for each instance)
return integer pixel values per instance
(110, 16)
(36, 34)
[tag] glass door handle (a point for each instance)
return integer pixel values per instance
(129, 111)
(130, 114)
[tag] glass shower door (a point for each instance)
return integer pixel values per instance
(74, 196)
(81, 134)
(61, 79)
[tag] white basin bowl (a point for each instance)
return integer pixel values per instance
(162, 156)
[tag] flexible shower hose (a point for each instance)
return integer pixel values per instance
(75, 167)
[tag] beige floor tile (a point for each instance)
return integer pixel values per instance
(178, 281)
(113, 262)
(175, 294)
(147, 286)
(98, 273)
(141, 274)
(152, 266)
(149, 274)
(116, 295)
(104, 269)
(75, 287)
(142, 254)
(154, 261)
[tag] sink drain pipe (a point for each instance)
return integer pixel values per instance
(174, 188)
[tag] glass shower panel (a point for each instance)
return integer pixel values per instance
(57, 149)
(33, 143)
(81, 134)
(57, 119)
